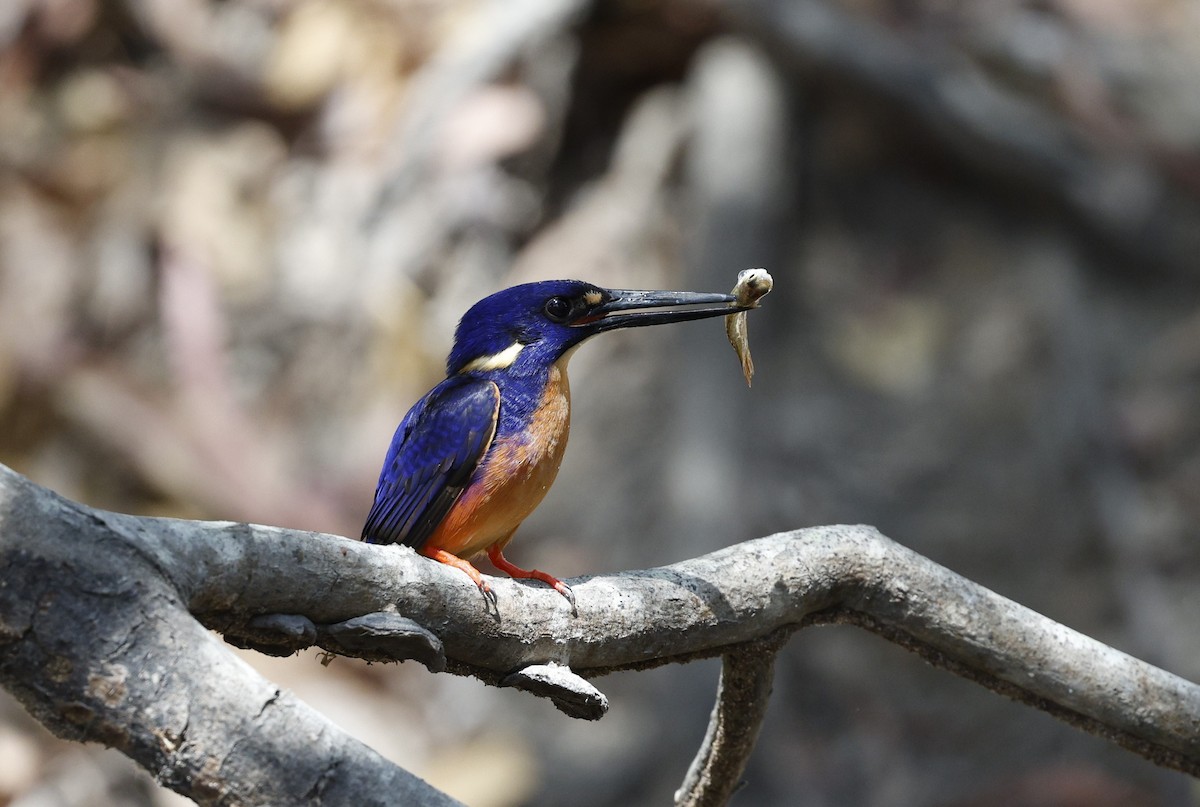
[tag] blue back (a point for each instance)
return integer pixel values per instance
(446, 435)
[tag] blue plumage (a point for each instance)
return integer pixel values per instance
(516, 315)
(476, 455)
(433, 454)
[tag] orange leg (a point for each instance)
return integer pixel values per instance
(495, 554)
(442, 556)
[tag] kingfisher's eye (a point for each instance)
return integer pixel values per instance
(557, 309)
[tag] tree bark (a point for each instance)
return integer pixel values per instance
(103, 637)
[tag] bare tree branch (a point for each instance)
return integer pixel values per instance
(98, 645)
(99, 640)
(747, 674)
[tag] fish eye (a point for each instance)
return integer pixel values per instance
(557, 309)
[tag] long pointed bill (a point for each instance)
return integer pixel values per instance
(656, 308)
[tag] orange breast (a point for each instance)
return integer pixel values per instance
(518, 473)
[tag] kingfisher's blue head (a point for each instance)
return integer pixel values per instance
(525, 329)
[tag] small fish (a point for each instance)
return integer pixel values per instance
(752, 285)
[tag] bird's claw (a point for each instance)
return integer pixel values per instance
(488, 594)
(565, 590)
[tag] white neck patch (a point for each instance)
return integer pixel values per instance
(496, 361)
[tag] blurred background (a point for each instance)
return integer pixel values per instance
(236, 235)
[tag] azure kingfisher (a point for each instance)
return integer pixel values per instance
(474, 457)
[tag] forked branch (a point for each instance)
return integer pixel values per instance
(102, 637)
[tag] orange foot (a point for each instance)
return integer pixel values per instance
(442, 556)
(496, 556)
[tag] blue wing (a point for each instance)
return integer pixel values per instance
(435, 450)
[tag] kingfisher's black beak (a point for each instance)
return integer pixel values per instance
(655, 308)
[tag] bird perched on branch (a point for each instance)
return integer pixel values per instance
(474, 457)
